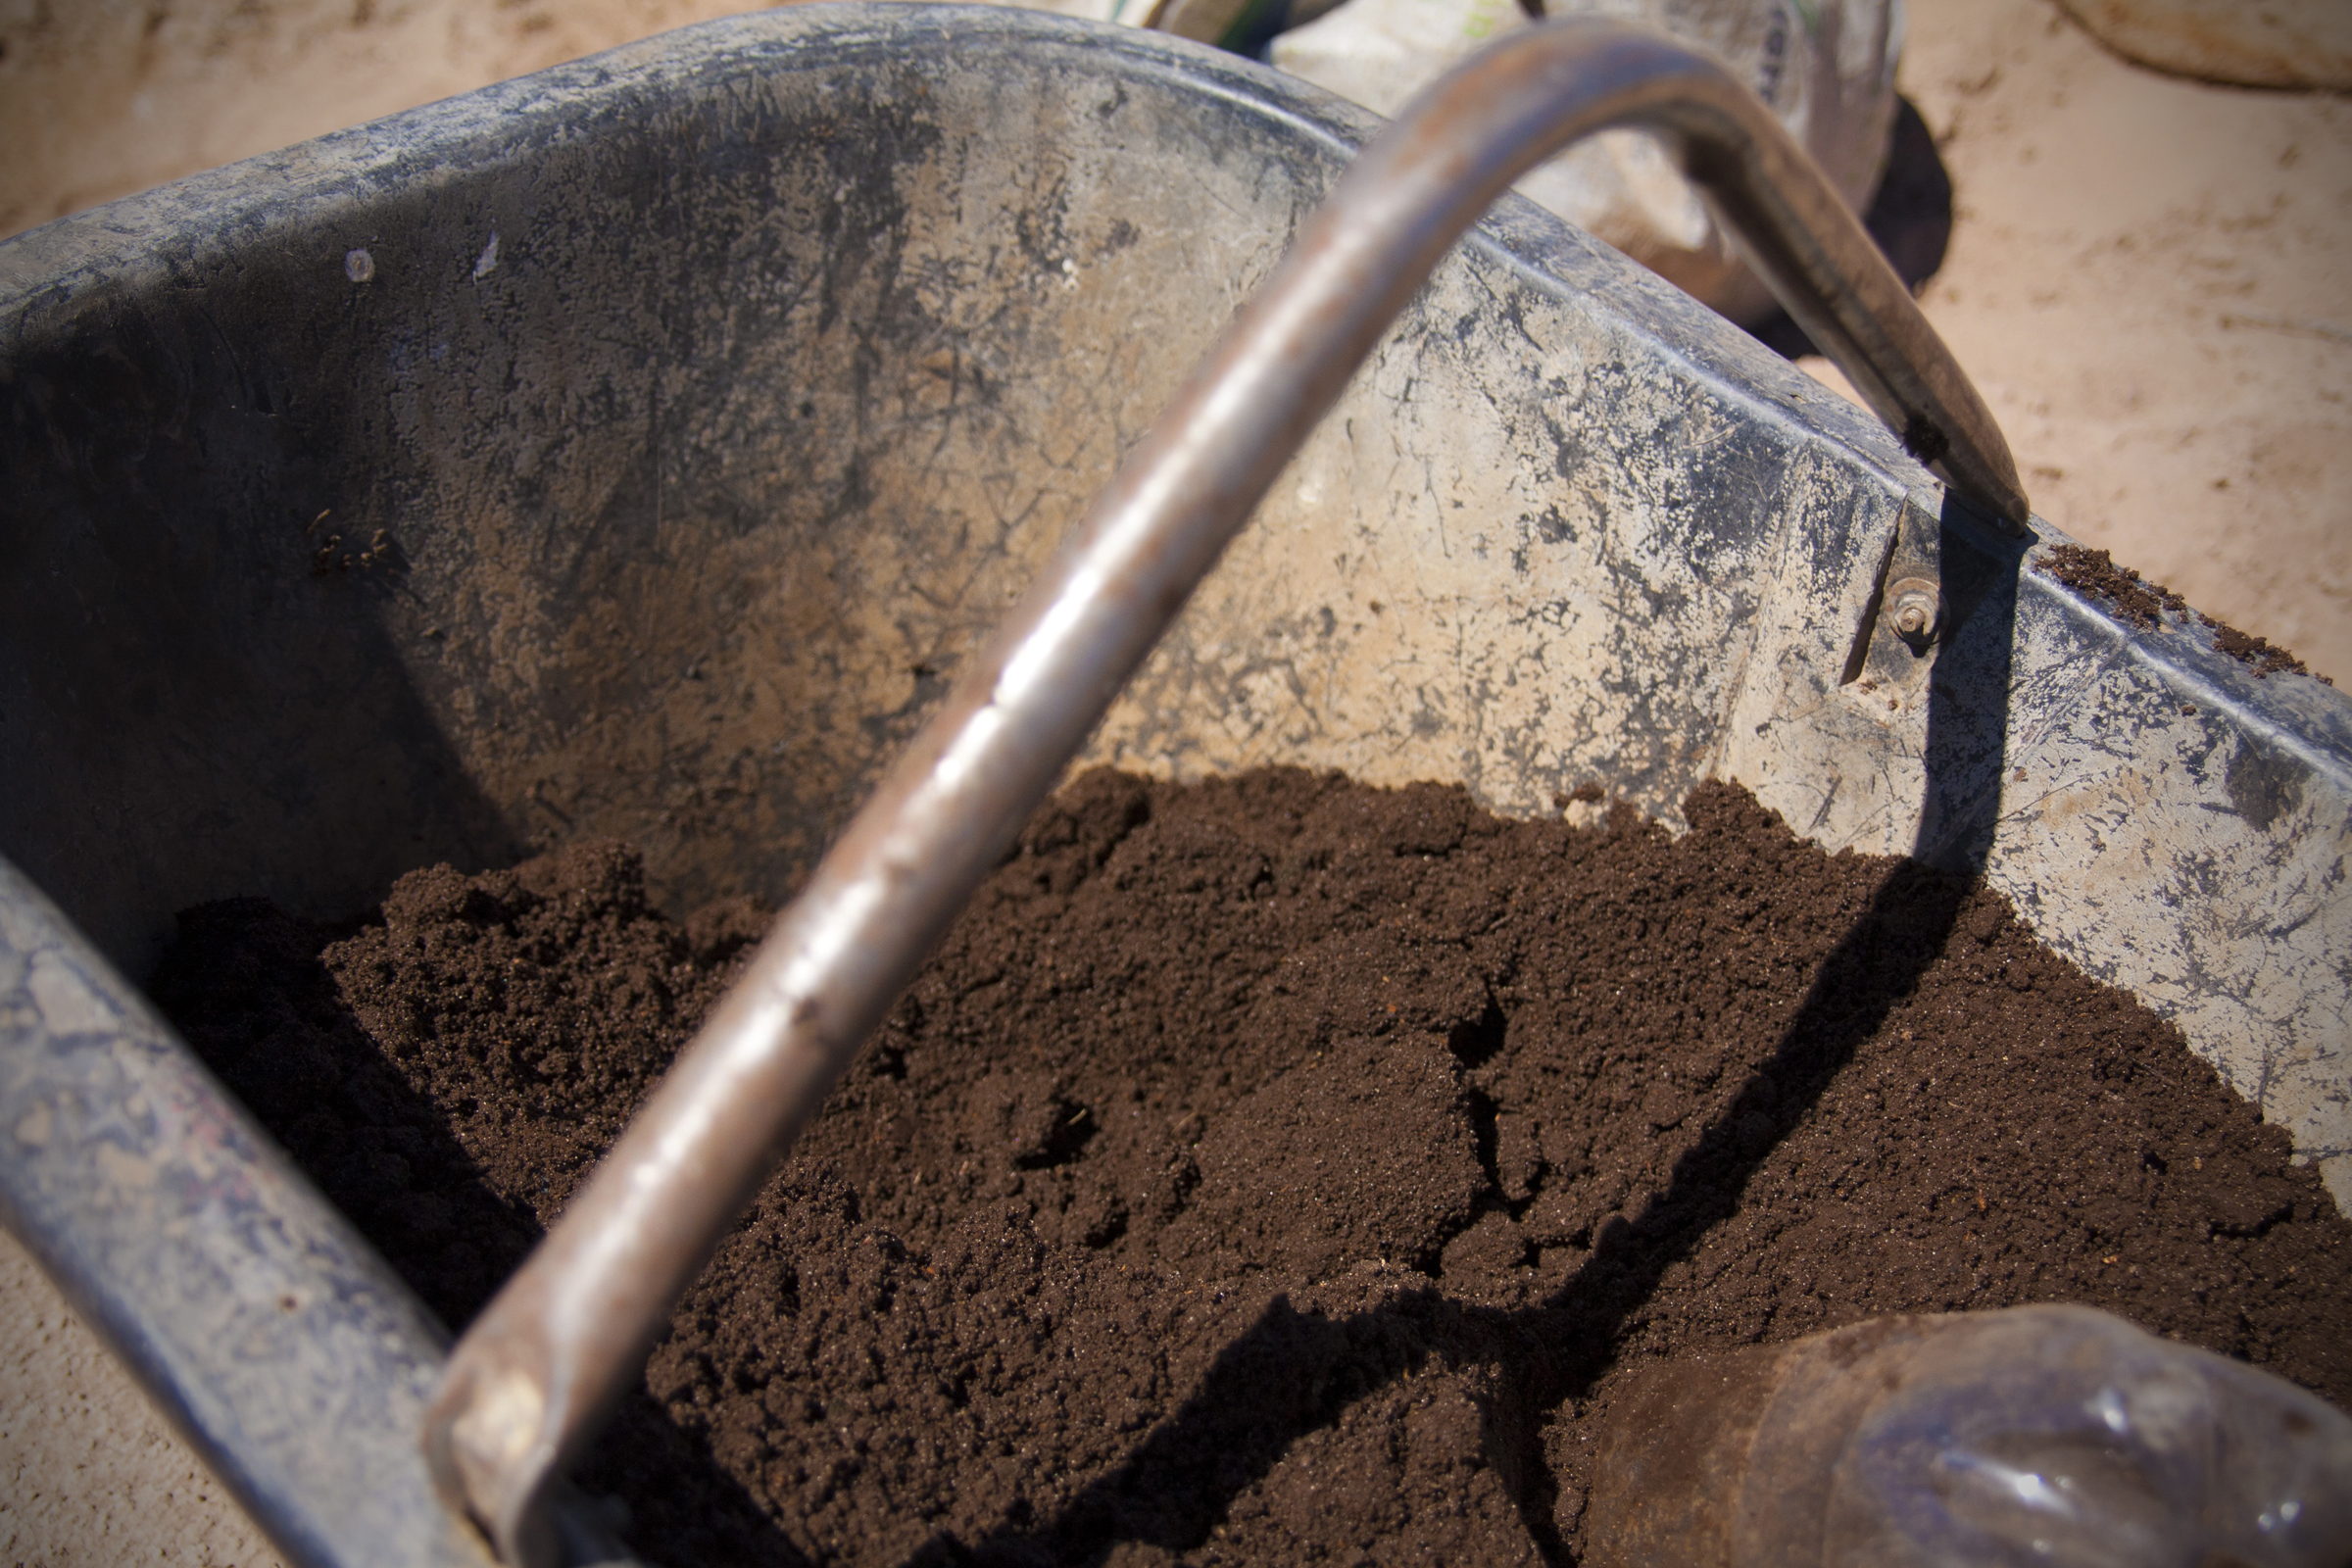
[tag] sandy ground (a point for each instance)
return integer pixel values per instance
(88, 1473)
(2144, 277)
(100, 98)
(2147, 279)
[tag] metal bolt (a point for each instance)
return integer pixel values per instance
(1913, 609)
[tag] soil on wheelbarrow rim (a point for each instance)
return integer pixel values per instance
(2149, 605)
(1278, 1169)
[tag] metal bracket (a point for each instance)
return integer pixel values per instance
(1906, 618)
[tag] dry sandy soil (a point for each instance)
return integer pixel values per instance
(2144, 277)
(2147, 281)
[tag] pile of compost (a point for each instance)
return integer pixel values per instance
(1277, 1169)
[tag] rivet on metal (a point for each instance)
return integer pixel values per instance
(1914, 610)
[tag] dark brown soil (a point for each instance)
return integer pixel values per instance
(2267, 657)
(2143, 604)
(2129, 594)
(1280, 1170)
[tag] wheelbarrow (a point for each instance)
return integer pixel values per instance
(644, 447)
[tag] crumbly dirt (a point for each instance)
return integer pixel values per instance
(2129, 594)
(2266, 656)
(2144, 604)
(1278, 1169)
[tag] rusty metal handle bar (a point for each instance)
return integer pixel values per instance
(534, 1375)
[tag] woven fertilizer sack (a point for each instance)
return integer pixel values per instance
(1825, 67)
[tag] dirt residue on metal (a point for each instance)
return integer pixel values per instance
(2143, 604)
(2129, 594)
(2266, 658)
(1277, 1169)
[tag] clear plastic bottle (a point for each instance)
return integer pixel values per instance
(2039, 1434)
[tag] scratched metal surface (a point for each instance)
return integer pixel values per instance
(712, 396)
(261, 1323)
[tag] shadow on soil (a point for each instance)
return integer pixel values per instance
(249, 991)
(1293, 1373)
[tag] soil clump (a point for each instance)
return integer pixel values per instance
(2130, 596)
(1277, 1169)
(2143, 604)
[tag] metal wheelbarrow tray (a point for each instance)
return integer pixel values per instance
(639, 447)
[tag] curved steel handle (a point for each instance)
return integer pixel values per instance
(535, 1373)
